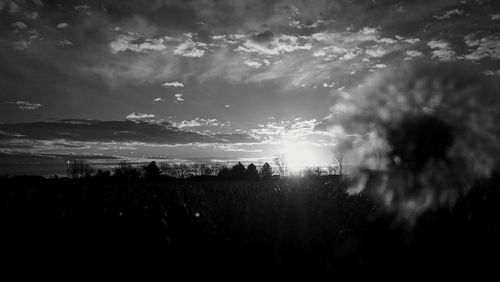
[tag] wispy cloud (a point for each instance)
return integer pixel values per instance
(190, 48)
(268, 43)
(19, 25)
(136, 44)
(450, 13)
(139, 116)
(62, 25)
(483, 47)
(24, 105)
(74, 130)
(173, 84)
(178, 98)
(201, 122)
(441, 49)
(410, 54)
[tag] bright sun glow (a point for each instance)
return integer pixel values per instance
(298, 156)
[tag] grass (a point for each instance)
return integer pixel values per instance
(300, 229)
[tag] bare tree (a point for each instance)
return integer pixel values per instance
(182, 170)
(165, 169)
(279, 161)
(338, 155)
(206, 170)
(344, 144)
(196, 168)
(313, 171)
(126, 170)
(78, 169)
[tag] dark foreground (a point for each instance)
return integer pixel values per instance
(241, 230)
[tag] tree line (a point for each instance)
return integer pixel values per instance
(77, 169)
(82, 169)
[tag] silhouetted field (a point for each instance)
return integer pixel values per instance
(298, 229)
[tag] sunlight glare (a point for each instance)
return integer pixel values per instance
(299, 156)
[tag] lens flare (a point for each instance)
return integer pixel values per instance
(424, 133)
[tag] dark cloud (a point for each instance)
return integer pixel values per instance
(114, 131)
(236, 138)
(263, 37)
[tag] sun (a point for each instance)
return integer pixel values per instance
(298, 156)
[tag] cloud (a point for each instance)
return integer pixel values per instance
(32, 15)
(363, 35)
(236, 138)
(227, 106)
(13, 7)
(376, 52)
(136, 44)
(159, 100)
(76, 130)
(178, 98)
(263, 37)
(173, 84)
(442, 50)
(187, 123)
(139, 116)
(485, 47)
(24, 105)
(19, 25)
(21, 44)
(413, 54)
(296, 130)
(82, 7)
(269, 44)
(225, 40)
(449, 13)
(316, 24)
(349, 45)
(201, 122)
(412, 40)
(252, 64)
(65, 43)
(38, 3)
(62, 25)
(490, 72)
(190, 48)
(495, 17)
(331, 51)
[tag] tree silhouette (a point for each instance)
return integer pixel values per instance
(206, 170)
(252, 171)
(238, 171)
(79, 169)
(151, 171)
(126, 170)
(266, 171)
(102, 174)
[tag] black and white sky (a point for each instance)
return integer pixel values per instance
(210, 80)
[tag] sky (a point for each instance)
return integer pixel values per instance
(209, 80)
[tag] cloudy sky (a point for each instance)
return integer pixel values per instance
(209, 80)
